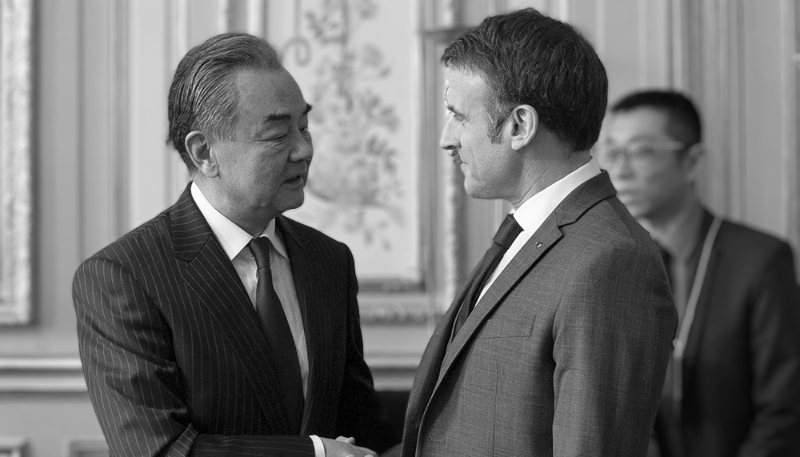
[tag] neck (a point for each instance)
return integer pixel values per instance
(545, 171)
(677, 232)
(252, 222)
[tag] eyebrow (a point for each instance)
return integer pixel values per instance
(282, 116)
(645, 138)
(453, 110)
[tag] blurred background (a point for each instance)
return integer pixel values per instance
(84, 159)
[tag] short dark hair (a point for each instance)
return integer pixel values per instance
(203, 96)
(684, 120)
(528, 58)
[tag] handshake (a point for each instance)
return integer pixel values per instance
(345, 447)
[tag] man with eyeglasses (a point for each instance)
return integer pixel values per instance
(733, 383)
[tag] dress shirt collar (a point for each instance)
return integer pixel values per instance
(232, 237)
(534, 211)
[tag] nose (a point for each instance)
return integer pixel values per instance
(620, 168)
(449, 140)
(303, 148)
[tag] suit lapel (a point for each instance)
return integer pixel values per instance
(547, 235)
(211, 276)
(307, 275)
(568, 211)
(426, 379)
(431, 363)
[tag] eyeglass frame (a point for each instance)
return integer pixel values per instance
(657, 146)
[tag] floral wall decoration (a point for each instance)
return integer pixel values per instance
(355, 62)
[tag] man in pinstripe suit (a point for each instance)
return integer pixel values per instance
(176, 352)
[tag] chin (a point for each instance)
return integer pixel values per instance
(481, 193)
(290, 202)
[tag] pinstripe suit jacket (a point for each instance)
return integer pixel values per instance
(175, 358)
(566, 352)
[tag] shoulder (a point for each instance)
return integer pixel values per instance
(737, 237)
(749, 255)
(608, 234)
(142, 246)
(310, 236)
(606, 250)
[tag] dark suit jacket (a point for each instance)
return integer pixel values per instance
(741, 370)
(175, 358)
(564, 355)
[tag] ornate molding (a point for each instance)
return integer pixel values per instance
(392, 309)
(88, 448)
(16, 113)
(393, 371)
(65, 375)
(441, 25)
(13, 447)
(41, 375)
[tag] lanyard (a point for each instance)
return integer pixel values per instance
(679, 343)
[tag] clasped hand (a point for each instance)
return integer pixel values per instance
(345, 447)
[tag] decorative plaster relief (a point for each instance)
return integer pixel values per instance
(15, 161)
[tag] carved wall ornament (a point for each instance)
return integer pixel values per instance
(16, 203)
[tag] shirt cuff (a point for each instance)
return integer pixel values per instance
(319, 448)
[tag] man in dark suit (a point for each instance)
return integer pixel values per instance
(558, 343)
(220, 327)
(733, 385)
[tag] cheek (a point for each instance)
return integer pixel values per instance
(477, 149)
(662, 184)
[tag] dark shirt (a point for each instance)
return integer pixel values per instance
(681, 275)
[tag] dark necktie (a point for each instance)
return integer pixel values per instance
(279, 335)
(505, 235)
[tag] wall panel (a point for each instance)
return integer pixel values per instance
(50, 423)
(101, 165)
(150, 67)
(762, 170)
(56, 236)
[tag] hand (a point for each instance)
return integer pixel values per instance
(345, 447)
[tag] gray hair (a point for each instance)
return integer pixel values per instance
(203, 95)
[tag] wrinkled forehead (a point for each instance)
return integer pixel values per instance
(268, 89)
(463, 87)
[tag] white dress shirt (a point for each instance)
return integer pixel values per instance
(535, 210)
(234, 241)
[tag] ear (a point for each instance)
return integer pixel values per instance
(198, 144)
(693, 162)
(523, 124)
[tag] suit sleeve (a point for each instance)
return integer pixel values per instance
(612, 337)
(133, 379)
(775, 358)
(359, 412)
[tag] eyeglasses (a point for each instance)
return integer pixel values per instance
(636, 150)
